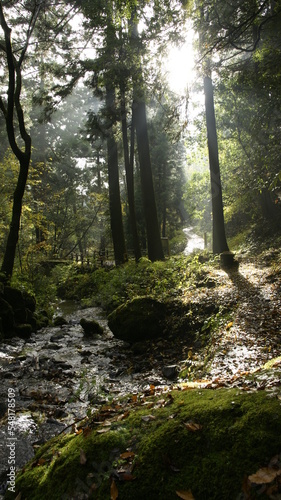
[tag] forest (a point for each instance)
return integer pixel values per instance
(140, 256)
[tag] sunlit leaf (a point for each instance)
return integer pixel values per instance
(229, 325)
(186, 495)
(264, 475)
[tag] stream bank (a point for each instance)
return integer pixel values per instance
(58, 375)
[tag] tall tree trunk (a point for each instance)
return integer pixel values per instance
(13, 236)
(154, 244)
(129, 168)
(11, 111)
(116, 222)
(219, 237)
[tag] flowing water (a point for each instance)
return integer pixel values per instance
(58, 373)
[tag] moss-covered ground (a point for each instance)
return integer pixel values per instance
(152, 446)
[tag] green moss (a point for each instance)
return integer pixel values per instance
(239, 432)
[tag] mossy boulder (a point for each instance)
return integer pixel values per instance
(91, 327)
(14, 297)
(205, 441)
(7, 317)
(142, 318)
(23, 331)
(59, 321)
(16, 310)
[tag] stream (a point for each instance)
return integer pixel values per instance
(57, 374)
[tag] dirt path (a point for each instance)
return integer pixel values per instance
(252, 335)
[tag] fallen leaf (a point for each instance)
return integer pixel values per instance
(113, 490)
(192, 426)
(229, 325)
(87, 431)
(18, 497)
(125, 476)
(83, 458)
(186, 495)
(41, 461)
(264, 475)
(103, 431)
(127, 454)
(147, 418)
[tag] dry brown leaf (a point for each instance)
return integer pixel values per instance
(18, 497)
(192, 426)
(87, 431)
(186, 495)
(113, 490)
(103, 431)
(147, 418)
(264, 475)
(83, 458)
(106, 423)
(41, 461)
(126, 476)
(127, 454)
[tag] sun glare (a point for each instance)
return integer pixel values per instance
(180, 65)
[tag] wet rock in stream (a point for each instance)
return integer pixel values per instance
(58, 372)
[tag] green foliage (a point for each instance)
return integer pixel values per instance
(197, 200)
(111, 288)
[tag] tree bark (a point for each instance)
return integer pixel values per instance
(12, 109)
(116, 221)
(13, 236)
(154, 244)
(129, 168)
(219, 238)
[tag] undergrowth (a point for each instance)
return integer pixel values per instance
(111, 288)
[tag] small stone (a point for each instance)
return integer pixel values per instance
(170, 371)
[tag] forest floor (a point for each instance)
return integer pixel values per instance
(214, 432)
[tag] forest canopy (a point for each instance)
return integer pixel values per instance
(100, 154)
